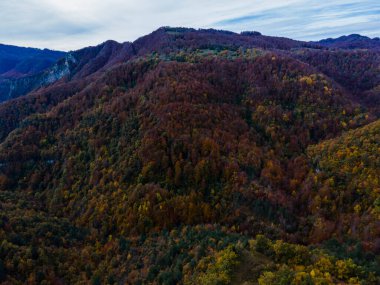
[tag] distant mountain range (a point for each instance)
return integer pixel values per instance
(19, 67)
(351, 42)
(16, 61)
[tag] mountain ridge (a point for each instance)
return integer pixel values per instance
(159, 39)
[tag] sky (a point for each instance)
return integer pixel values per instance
(73, 24)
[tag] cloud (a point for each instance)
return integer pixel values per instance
(72, 24)
(311, 20)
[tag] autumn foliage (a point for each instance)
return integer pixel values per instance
(161, 166)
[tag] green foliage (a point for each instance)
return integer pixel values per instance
(281, 277)
(218, 268)
(297, 264)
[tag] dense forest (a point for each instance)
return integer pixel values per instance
(196, 157)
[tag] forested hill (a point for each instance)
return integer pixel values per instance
(23, 70)
(195, 157)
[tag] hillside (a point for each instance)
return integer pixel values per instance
(19, 81)
(195, 157)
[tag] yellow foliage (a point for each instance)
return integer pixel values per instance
(218, 271)
(307, 79)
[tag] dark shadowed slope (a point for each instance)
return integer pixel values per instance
(18, 67)
(18, 61)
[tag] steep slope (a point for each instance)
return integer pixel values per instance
(346, 185)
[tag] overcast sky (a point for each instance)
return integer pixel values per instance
(73, 24)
